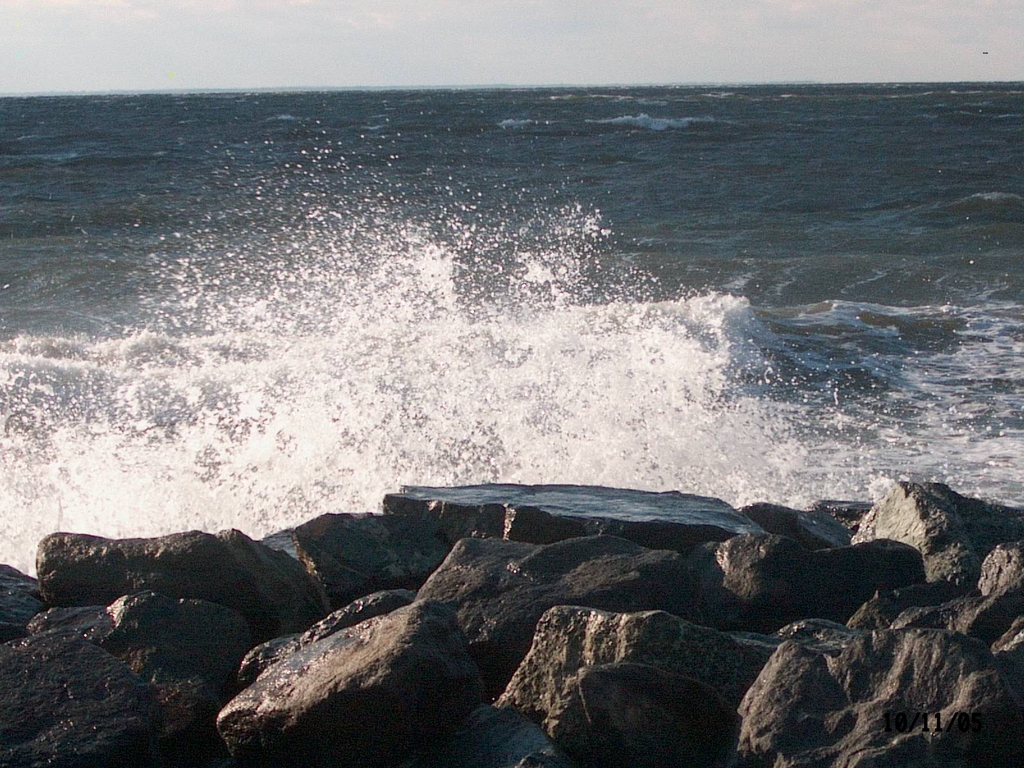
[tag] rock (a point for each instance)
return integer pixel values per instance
(762, 582)
(188, 650)
(814, 529)
(953, 533)
(19, 602)
(269, 588)
(820, 635)
(882, 609)
(502, 588)
(638, 716)
(377, 604)
(364, 696)
(68, 704)
(1008, 652)
(569, 638)
(494, 738)
(985, 618)
(846, 513)
(354, 555)
(282, 541)
(1002, 571)
(812, 710)
(544, 514)
(1012, 637)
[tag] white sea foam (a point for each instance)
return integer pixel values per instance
(516, 123)
(644, 120)
(278, 386)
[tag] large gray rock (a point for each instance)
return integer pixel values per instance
(188, 650)
(493, 738)
(813, 710)
(814, 529)
(64, 703)
(368, 607)
(365, 696)
(544, 514)
(569, 638)
(760, 583)
(885, 606)
(953, 533)
(19, 602)
(502, 588)
(270, 589)
(355, 555)
(985, 613)
(1008, 651)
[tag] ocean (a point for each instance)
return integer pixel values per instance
(248, 309)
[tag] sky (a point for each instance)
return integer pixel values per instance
(155, 45)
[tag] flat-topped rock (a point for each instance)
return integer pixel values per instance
(543, 514)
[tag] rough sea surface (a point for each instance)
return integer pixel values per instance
(247, 309)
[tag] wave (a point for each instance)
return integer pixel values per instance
(644, 120)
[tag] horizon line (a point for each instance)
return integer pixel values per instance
(492, 86)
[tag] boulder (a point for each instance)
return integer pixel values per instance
(502, 588)
(813, 710)
(544, 514)
(188, 650)
(983, 617)
(19, 602)
(371, 606)
(638, 716)
(270, 589)
(493, 738)
(763, 582)
(953, 533)
(814, 529)
(69, 704)
(846, 513)
(820, 634)
(882, 609)
(569, 638)
(1002, 571)
(355, 555)
(364, 696)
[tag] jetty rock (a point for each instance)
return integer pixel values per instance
(500, 589)
(19, 602)
(271, 590)
(369, 607)
(809, 709)
(355, 555)
(365, 696)
(493, 738)
(544, 514)
(954, 533)
(187, 650)
(762, 582)
(67, 702)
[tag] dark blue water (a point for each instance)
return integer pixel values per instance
(247, 309)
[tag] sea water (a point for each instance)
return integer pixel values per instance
(247, 309)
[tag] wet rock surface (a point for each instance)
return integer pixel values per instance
(19, 602)
(544, 514)
(814, 529)
(65, 702)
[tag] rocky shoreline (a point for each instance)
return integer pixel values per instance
(508, 626)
